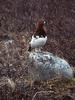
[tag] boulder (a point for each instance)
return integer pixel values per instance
(45, 66)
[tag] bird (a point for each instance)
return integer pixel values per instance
(39, 38)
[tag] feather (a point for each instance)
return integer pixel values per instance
(39, 38)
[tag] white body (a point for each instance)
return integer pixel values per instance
(38, 41)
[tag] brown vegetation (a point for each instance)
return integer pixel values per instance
(17, 23)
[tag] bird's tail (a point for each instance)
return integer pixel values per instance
(29, 49)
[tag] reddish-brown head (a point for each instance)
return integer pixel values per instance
(40, 23)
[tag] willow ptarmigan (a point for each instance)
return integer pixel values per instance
(39, 38)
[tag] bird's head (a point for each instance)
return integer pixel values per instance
(40, 23)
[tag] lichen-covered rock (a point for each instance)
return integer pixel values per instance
(45, 66)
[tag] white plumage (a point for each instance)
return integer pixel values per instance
(37, 42)
(39, 38)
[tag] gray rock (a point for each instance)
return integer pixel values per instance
(45, 66)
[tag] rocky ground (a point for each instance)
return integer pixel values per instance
(21, 15)
(56, 89)
(15, 80)
(17, 23)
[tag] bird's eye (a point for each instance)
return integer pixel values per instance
(44, 22)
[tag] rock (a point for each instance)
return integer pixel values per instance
(45, 66)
